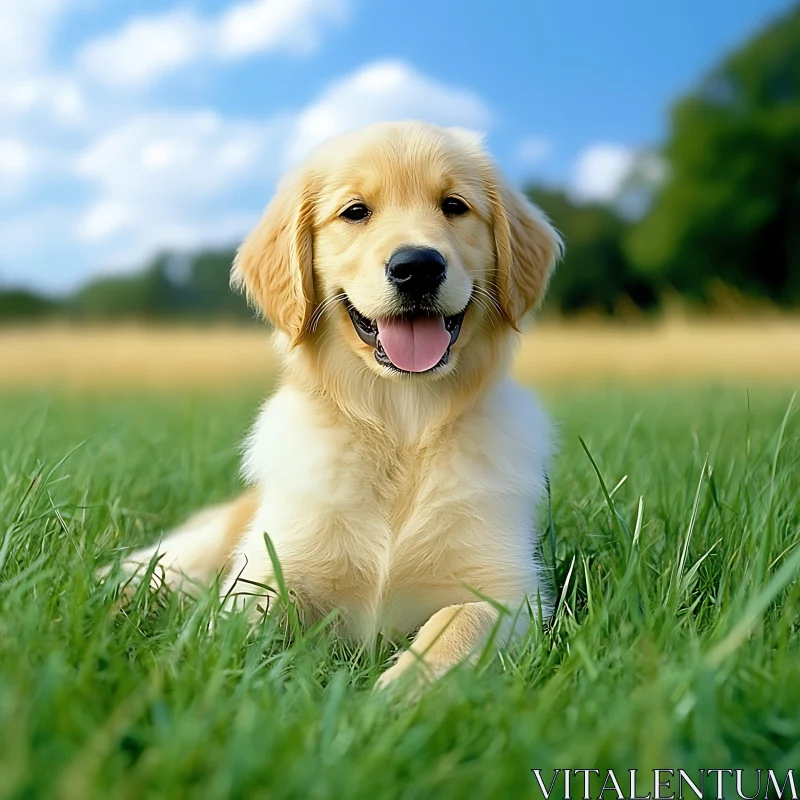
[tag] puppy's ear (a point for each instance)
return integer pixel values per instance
(274, 263)
(527, 248)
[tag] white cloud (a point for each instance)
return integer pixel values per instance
(609, 173)
(262, 25)
(103, 220)
(148, 47)
(161, 178)
(533, 150)
(600, 172)
(384, 91)
(25, 30)
(174, 154)
(59, 98)
(144, 49)
(15, 159)
(15, 166)
(35, 103)
(27, 84)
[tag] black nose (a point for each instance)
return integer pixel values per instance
(416, 270)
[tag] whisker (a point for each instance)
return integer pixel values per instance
(482, 304)
(490, 312)
(483, 292)
(324, 306)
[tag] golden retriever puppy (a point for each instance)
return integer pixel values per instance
(397, 469)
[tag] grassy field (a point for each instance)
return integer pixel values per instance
(675, 644)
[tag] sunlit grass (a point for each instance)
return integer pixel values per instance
(675, 643)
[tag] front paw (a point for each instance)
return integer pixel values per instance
(411, 671)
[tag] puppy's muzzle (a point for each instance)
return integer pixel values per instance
(416, 272)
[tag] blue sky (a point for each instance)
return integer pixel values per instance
(126, 128)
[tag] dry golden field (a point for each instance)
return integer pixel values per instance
(130, 356)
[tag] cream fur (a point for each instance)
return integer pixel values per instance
(400, 500)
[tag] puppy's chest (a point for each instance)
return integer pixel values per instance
(391, 534)
(380, 505)
(392, 555)
(389, 540)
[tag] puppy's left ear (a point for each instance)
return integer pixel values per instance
(527, 247)
(274, 264)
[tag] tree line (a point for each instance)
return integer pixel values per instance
(724, 216)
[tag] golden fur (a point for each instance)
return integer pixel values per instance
(402, 500)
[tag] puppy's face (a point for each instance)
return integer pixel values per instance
(403, 237)
(402, 244)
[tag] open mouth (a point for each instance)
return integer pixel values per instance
(411, 342)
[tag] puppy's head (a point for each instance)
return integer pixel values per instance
(404, 243)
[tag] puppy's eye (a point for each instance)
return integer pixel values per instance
(454, 207)
(355, 213)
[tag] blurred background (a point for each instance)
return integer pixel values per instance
(139, 142)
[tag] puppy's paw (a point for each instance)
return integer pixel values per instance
(411, 672)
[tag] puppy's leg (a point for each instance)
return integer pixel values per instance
(249, 584)
(452, 635)
(199, 549)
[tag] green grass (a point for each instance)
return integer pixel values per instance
(675, 643)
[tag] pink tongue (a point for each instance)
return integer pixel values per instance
(414, 345)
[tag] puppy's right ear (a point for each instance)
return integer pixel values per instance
(274, 263)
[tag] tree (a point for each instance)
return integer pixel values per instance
(209, 284)
(147, 294)
(730, 208)
(595, 274)
(170, 286)
(19, 305)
